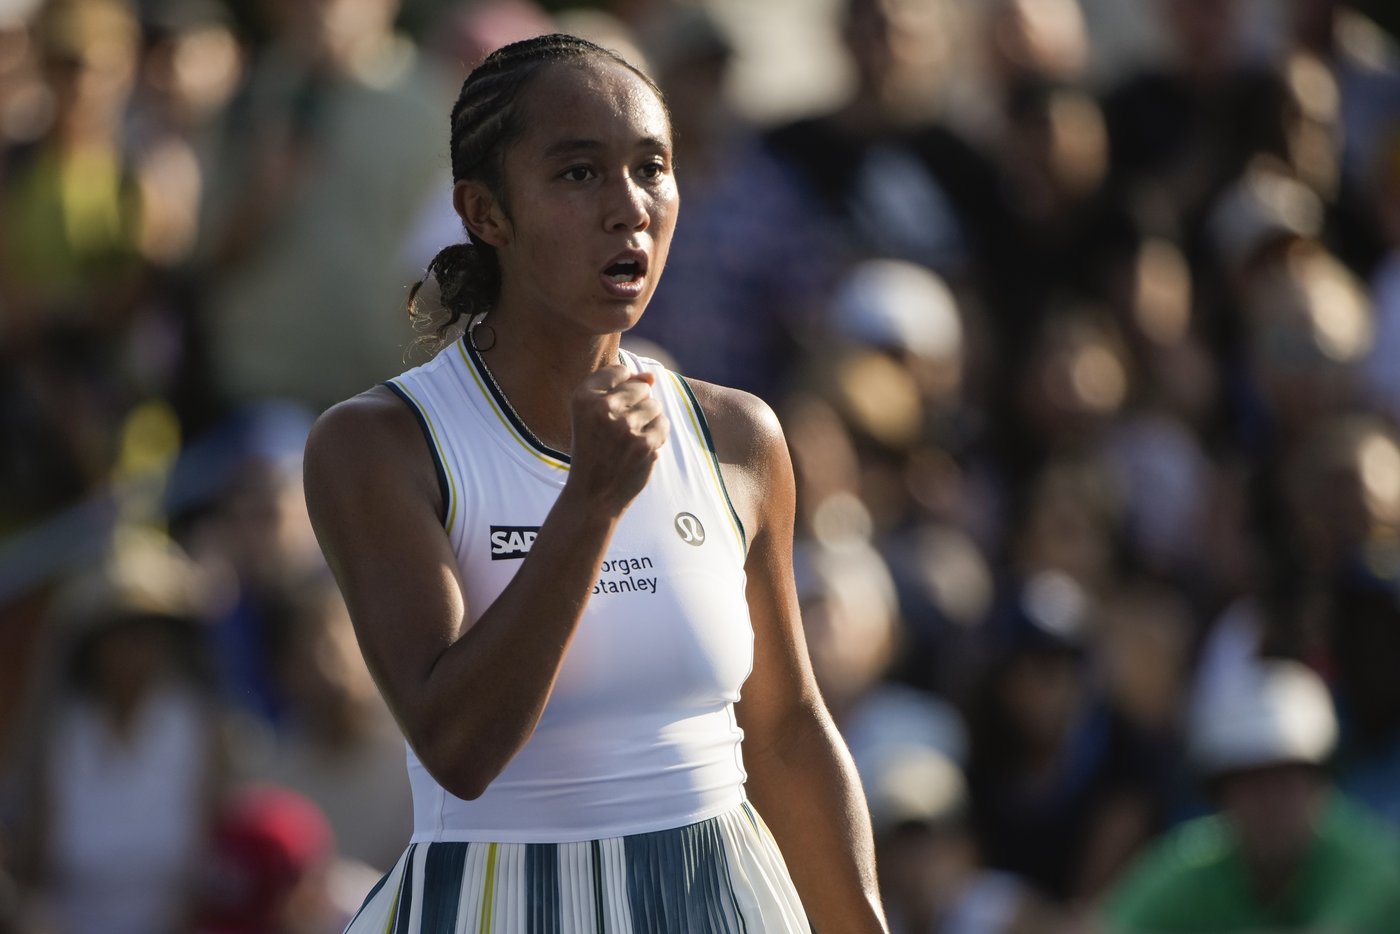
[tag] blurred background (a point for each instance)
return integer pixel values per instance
(1082, 318)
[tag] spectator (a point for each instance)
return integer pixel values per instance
(308, 218)
(273, 868)
(747, 271)
(1284, 852)
(931, 873)
(126, 764)
(336, 743)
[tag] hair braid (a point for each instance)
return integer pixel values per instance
(485, 119)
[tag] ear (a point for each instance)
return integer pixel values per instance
(481, 212)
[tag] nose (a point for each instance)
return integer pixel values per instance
(627, 208)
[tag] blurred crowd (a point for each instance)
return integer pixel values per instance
(1091, 380)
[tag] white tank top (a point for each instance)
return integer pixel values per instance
(639, 733)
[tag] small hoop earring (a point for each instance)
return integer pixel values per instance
(475, 326)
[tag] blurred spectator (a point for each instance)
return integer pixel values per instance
(70, 266)
(273, 868)
(243, 517)
(1365, 65)
(1382, 376)
(125, 764)
(1182, 130)
(191, 65)
(329, 160)
(931, 876)
(1364, 632)
(26, 103)
(746, 270)
(1285, 852)
(883, 169)
(336, 743)
(1063, 787)
(69, 210)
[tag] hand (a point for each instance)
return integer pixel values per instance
(618, 431)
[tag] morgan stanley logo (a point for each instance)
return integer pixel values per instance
(512, 541)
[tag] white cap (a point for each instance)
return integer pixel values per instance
(1273, 712)
(892, 303)
(913, 784)
(1263, 206)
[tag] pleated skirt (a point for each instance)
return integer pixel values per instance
(719, 876)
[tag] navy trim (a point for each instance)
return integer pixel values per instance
(710, 446)
(597, 853)
(378, 886)
(503, 404)
(542, 902)
(405, 895)
(442, 885)
(432, 448)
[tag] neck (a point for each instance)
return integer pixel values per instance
(538, 371)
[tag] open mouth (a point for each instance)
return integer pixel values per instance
(625, 271)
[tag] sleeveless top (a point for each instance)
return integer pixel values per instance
(639, 733)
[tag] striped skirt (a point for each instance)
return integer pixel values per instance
(719, 876)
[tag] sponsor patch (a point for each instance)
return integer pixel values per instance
(512, 541)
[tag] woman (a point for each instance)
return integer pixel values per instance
(555, 593)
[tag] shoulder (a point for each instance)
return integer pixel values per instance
(377, 414)
(745, 429)
(370, 437)
(749, 444)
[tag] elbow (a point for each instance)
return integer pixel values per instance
(462, 772)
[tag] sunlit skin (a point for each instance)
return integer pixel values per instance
(590, 180)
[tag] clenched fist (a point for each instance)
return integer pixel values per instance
(618, 431)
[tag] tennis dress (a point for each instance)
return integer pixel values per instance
(625, 811)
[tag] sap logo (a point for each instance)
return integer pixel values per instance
(512, 541)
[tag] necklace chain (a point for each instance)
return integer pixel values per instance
(505, 400)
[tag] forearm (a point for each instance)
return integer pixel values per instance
(485, 693)
(806, 788)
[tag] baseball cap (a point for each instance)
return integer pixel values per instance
(1272, 712)
(900, 305)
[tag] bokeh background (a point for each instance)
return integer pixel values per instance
(1082, 318)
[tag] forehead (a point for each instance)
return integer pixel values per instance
(594, 100)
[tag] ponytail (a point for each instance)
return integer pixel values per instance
(468, 279)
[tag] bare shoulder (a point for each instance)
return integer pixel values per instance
(368, 438)
(745, 428)
(752, 451)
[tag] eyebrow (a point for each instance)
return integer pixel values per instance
(570, 147)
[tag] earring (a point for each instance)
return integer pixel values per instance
(475, 326)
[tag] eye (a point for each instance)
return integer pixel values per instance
(654, 169)
(577, 173)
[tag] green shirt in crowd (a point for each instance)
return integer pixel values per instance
(1194, 881)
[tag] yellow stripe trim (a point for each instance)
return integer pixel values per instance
(708, 458)
(471, 368)
(394, 909)
(442, 456)
(488, 901)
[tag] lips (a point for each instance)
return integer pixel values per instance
(624, 275)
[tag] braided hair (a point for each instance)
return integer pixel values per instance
(485, 120)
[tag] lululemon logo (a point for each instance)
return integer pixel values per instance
(689, 529)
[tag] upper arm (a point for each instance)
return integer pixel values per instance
(372, 493)
(758, 472)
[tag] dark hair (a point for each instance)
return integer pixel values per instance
(485, 119)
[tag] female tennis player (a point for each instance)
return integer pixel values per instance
(569, 568)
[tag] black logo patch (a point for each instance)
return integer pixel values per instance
(512, 541)
(689, 529)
